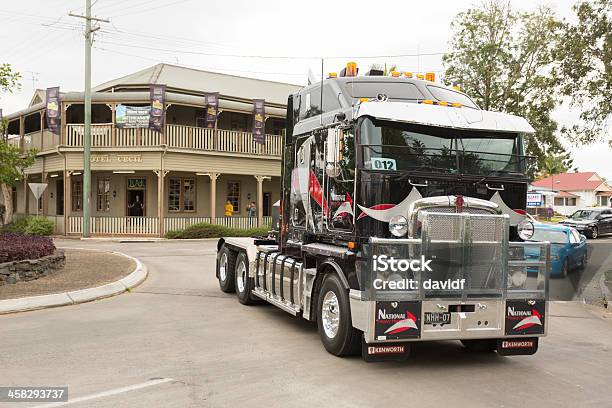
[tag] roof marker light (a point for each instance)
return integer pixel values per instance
(364, 99)
(443, 103)
(430, 76)
(456, 87)
(420, 76)
(428, 102)
(351, 69)
(332, 75)
(408, 74)
(456, 105)
(395, 74)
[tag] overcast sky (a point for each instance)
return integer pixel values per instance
(46, 45)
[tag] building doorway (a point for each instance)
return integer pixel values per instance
(59, 193)
(267, 203)
(136, 197)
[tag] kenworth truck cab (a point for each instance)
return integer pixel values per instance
(402, 219)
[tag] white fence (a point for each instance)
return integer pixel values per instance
(150, 225)
(116, 225)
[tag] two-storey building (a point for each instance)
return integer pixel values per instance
(145, 182)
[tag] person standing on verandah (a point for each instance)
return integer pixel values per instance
(229, 209)
(136, 208)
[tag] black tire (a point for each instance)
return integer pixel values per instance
(594, 233)
(346, 340)
(583, 261)
(480, 345)
(565, 269)
(243, 284)
(226, 265)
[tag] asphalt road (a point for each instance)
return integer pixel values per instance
(177, 341)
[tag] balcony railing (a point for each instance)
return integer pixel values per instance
(177, 136)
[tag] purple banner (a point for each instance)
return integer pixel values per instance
(158, 107)
(212, 109)
(259, 121)
(53, 113)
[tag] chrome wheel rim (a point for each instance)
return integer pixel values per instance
(223, 267)
(330, 314)
(241, 277)
(595, 232)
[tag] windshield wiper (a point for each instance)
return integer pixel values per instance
(496, 173)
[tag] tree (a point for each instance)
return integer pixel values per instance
(585, 68)
(9, 79)
(12, 162)
(555, 164)
(12, 165)
(504, 59)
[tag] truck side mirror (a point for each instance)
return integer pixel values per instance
(333, 151)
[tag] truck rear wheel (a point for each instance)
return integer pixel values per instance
(481, 345)
(226, 266)
(244, 284)
(338, 335)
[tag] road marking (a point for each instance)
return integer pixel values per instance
(108, 393)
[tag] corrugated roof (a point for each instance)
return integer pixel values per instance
(573, 182)
(194, 80)
(566, 194)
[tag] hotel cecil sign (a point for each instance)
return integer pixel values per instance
(119, 158)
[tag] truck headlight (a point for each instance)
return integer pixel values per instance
(517, 278)
(525, 229)
(398, 225)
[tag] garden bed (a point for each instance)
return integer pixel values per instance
(83, 269)
(18, 247)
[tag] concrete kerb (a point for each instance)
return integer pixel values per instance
(135, 278)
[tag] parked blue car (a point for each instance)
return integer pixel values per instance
(568, 249)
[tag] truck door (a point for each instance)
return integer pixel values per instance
(340, 188)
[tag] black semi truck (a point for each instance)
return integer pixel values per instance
(402, 219)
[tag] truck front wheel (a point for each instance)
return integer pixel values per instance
(226, 266)
(334, 318)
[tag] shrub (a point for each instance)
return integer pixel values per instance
(18, 225)
(39, 226)
(16, 247)
(205, 230)
(30, 226)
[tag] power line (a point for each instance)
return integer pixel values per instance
(198, 66)
(212, 54)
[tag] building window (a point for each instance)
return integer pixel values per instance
(565, 201)
(602, 201)
(77, 195)
(181, 194)
(233, 194)
(103, 196)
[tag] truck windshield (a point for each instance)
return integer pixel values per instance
(393, 146)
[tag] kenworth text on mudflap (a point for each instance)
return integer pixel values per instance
(402, 219)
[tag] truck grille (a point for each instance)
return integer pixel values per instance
(464, 245)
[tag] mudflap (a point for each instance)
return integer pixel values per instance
(517, 346)
(374, 352)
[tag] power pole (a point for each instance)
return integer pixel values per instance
(87, 133)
